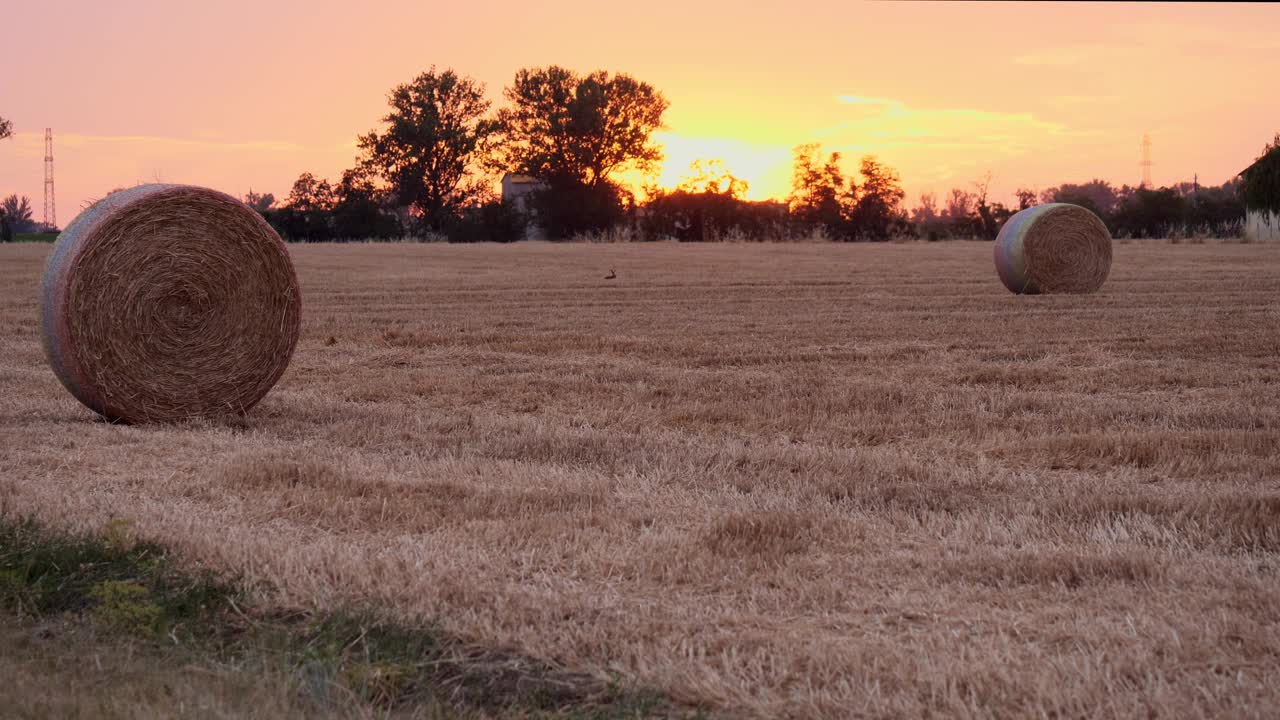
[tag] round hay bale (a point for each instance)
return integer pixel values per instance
(169, 302)
(1054, 248)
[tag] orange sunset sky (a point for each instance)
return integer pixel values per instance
(239, 95)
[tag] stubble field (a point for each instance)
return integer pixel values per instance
(773, 481)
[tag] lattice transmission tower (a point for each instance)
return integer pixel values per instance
(50, 203)
(1146, 161)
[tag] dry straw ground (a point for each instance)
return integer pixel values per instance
(777, 480)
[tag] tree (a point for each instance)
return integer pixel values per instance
(309, 194)
(927, 210)
(707, 206)
(358, 209)
(1026, 198)
(562, 127)
(1217, 211)
(711, 217)
(990, 217)
(1150, 214)
(1261, 187)
(306, 215)
(6, 230)
(819, 190)
(490, 221)
(574, 133)
(1097, 196)
(878, 213)
(961, 214)
(261, 203)
(959, 205)
(711, 176)
(435, 135)
(926, 218)
(17, 212)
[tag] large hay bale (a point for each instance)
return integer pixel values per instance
(168, 302)
(1054, 248)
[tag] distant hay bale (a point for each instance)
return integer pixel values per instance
(169, 302)
(1054, 248)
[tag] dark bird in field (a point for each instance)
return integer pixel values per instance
(612, 274)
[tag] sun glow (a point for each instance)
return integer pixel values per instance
(765, 168)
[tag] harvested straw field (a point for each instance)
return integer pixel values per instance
(770, 481)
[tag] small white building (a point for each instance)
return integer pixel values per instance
(516, 190)
(1261, 220)
(1261, 225)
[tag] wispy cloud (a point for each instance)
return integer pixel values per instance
(163, 143)
(1062, 56)
(874, 102)
(877, 124)
(1066, 101)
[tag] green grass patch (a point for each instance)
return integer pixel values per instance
(110, 575)
(35, 237)
(121, 588)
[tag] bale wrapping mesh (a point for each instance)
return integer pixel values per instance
(1054, 248)
(169, 302)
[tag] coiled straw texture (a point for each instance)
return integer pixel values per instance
(169, 302)
(1054, 248)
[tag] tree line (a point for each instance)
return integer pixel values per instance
(430, 168)
(6, 217)
(1184, 209)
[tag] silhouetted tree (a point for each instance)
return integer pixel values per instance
(819, 191)
(489, 221)
(712, 217)
(1217, 211)
(310, 194)
(565, 208)
(1097, 196)
(435, 135)
(574, 133)
(988, 217)
(306, 215)
(926, 218)
(927, 211)
(1150, 214)
(259, 202)
(6, 231)
(1026, 198)
(562, 126)
(961, 215)
(822, 197)
(17, 212)
(711, 176)
(1261, 186)
(707, 206)
(358, 209)
(877, 213)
